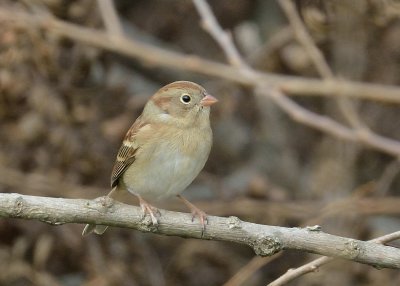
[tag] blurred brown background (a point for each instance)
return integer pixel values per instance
(65, 106)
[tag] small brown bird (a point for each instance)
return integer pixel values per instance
(165, 149)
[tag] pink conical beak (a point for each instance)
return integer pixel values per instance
(208, 100)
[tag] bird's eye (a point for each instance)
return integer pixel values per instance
(185, 98)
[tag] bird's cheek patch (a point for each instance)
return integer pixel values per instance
(165, 117)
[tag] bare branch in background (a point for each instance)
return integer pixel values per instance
(161, 57)
(305, 39)
(330, 126)
(224, 39)
(110, 18)
(249, 269)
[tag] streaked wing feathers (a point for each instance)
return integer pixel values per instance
(127, 151)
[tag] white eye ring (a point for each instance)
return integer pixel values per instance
(185, 98)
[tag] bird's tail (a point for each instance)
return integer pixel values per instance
(100, 229)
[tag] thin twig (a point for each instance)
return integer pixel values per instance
(328, 125)
(390, 172)
(302, 35)
(305, 39)
(224, 39)
(249, 269)
(110, 18)
(292, 274)
(314, 265)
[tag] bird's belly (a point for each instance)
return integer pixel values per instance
(166, 173)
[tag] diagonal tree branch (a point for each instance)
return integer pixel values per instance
(345, 105)
(305, 39)
(265, 240)
(330, 126)
(110, 18)
(224, 39)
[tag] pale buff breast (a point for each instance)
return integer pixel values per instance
(166, 166)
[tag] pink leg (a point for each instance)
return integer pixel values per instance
(149, 209)
(196, 212)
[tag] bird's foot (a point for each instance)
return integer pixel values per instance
(150, 210)
(196, 212)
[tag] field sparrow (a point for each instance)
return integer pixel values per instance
(165, 149)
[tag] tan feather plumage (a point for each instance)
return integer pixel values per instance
(165, 148)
